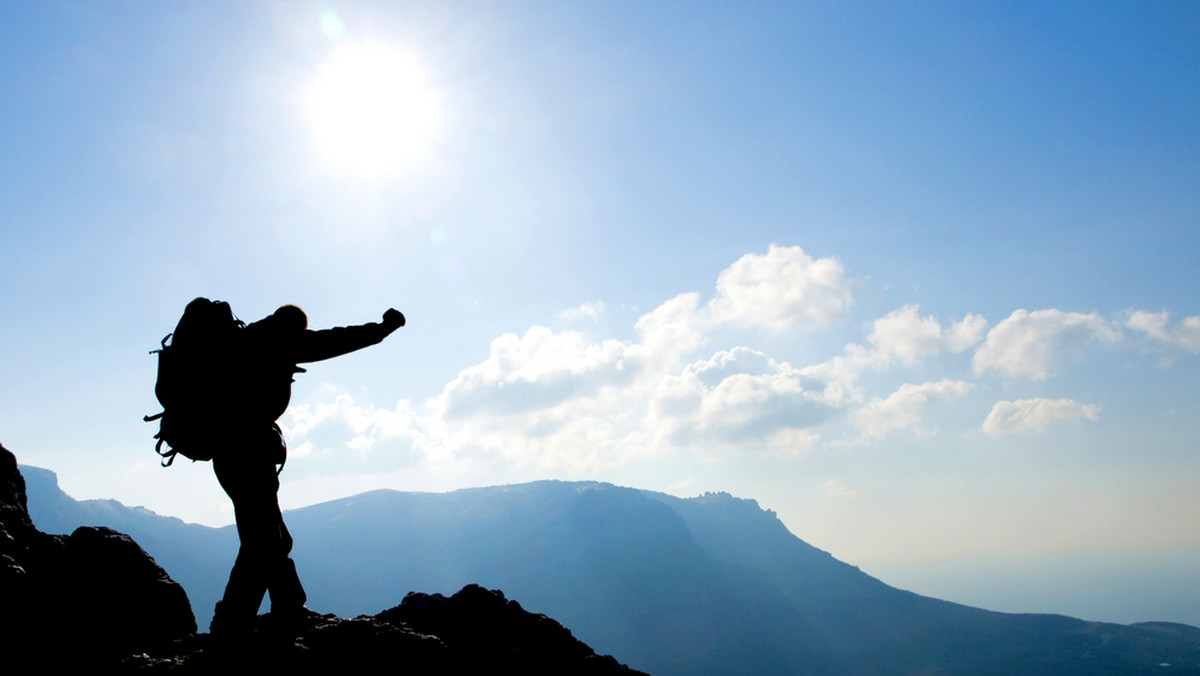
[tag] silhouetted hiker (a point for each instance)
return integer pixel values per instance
(263, 357)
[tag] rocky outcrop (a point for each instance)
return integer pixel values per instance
(489, 633)
(473, 631)
(88, 597)
(96, 599)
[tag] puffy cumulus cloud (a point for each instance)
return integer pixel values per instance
(579, 435)
(373, 436)
(902, 336)
(538, 370)
(837, 378)
(739, 397)
(1034, 415)
(905, 336)
(670, 331)
(1027, 344)
(904, 408)
(738, 361)
(963, 335)
(563, 401)
(1155, 326)
(752, 407)
(782, 288)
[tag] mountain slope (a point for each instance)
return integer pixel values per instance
(620, 568)
(96, 601)
(711, 584)
(870, 627)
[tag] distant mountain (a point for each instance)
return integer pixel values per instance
(94, 601)
(707, 585)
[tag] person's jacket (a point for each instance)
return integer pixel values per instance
(269, 353)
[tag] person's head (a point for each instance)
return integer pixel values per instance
(291, 317)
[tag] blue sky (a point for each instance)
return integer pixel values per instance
(920, 277)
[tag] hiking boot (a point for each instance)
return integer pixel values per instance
(228, 624)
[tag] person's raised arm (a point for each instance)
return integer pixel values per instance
(329, 343)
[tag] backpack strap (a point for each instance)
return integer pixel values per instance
(168, 456)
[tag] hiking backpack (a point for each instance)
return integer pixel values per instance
(193, 381)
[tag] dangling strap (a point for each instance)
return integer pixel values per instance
(168, 456)
(163, 343)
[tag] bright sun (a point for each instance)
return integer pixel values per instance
(371, 109)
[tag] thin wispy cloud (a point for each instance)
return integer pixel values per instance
(588, 311)
(1034, 415)
(903, 409)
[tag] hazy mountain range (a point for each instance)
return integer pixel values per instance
(707, 585)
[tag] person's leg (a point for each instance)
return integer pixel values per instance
(287, 594)
(252, 487)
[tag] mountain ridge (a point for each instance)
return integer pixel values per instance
(96, 599)
(676, 585)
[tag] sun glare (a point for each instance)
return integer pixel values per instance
(371, 109)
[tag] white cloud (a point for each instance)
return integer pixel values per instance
(590, 311)
(748, 406)
(1027, 344)
(1034, 415)
(964, 334)
(739, 360)
(560, 399)
(671, 331)
(902, 336)
(740, 397)
(904, 408)
(792, 441)
(782, 288)
(1188, 335)
(339, 433)
(835, 489)
(1153, 324)
(540, 369)
(564, 402)
(1183, 337)
(905, 335)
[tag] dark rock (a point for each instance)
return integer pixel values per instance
(96, 599)
(473, 631)
(124, 599)
(92, 597)
(490, 633)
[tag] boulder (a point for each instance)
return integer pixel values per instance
(89, 598)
